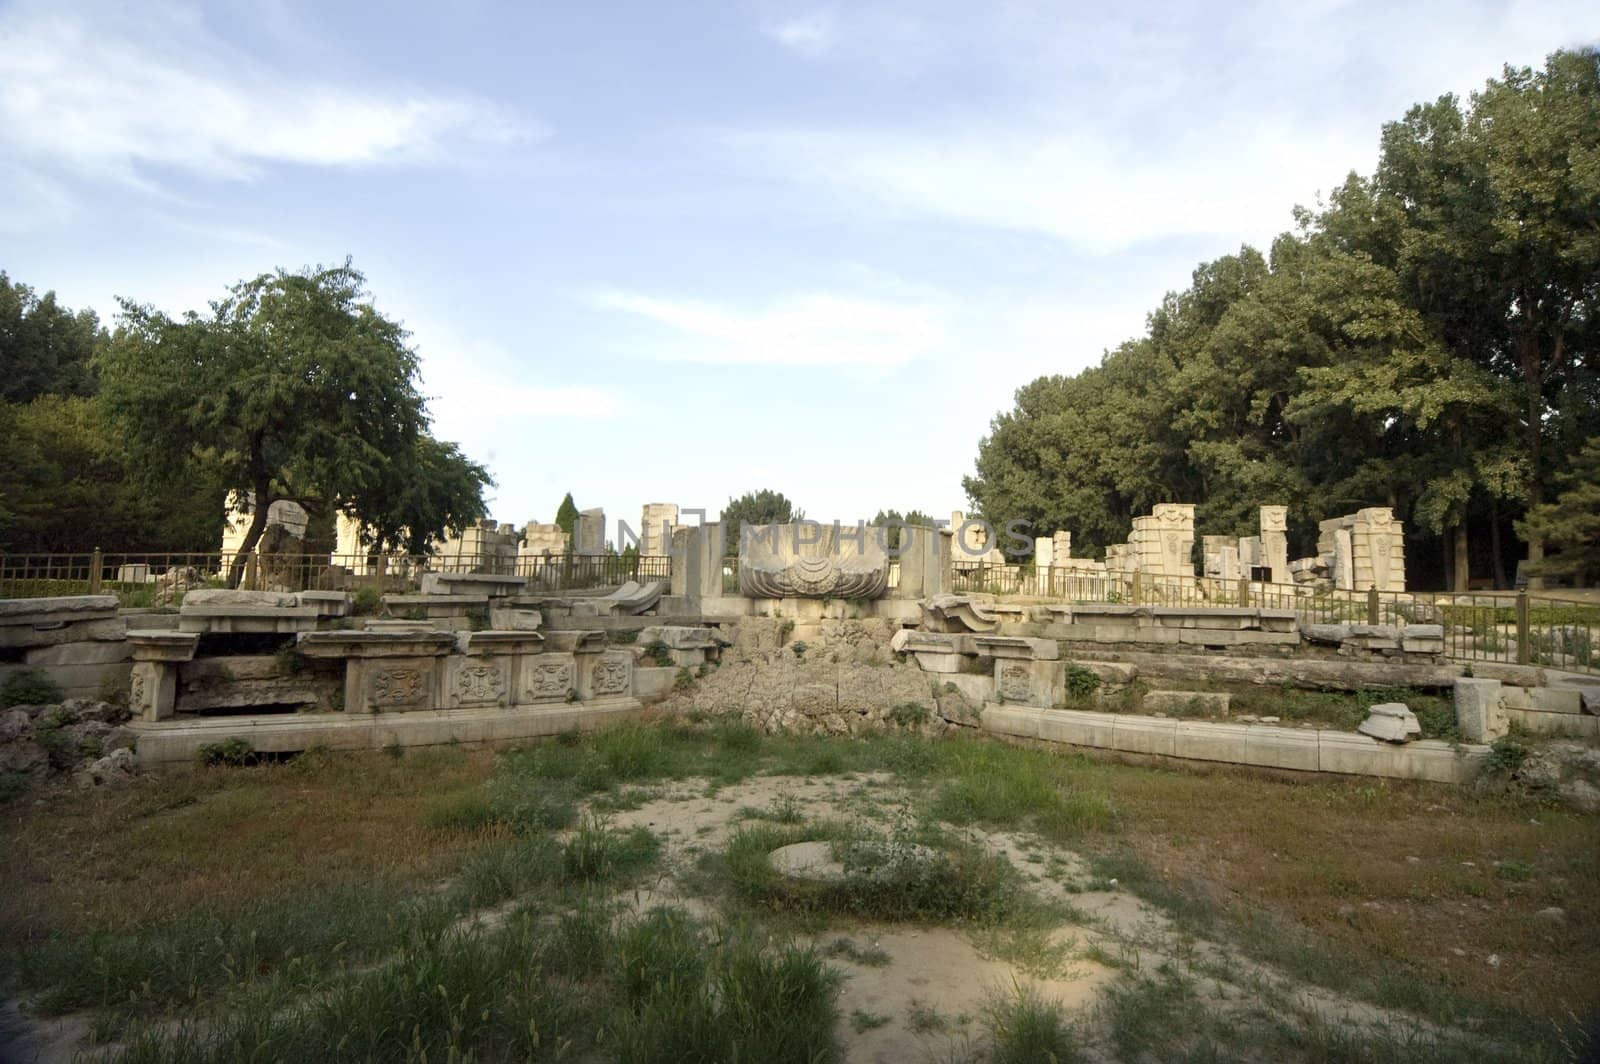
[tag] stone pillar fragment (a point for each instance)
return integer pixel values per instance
(1479, 713)
(589, 532)
(153, 682)
(1275, 543)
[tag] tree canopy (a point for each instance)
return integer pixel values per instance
(567, 515)
(293, 386)
(765, 507)
(1426, 340)
(45, 349)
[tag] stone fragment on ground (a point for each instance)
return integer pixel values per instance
(1393, 722)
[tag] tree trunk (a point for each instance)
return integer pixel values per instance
(1462, 575)
(258, 525)
(1495, 545)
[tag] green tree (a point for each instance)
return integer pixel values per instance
(293, 386)
(45, 349)
(1487, 216)
(431, 488)
(911, 518)
(1570, 524)
(765, 507)
(567, 515)
(66, 485)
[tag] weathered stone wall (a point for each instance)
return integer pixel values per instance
(841, 681)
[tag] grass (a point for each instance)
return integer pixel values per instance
(321, 902)
(1165, 1015)
(1024, 1028)
(890, 879)
(661, 987)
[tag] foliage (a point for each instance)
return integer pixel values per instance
(1081, 683)
(1570, 523)
(567, 515)
(45, 349)
(1506, 755)
(765, 507)
(1425, 341)
(30, 687)
(235, 753)
(293, 386)
(69, 485)
(659, 653)
(911, 518)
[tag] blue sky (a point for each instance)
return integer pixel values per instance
(675, 252)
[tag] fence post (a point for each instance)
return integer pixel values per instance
(1138, 588)
(1524, 646)
(252, 571)
(1372, 605)
(379, 571)
(1244, 591)
(96, 560)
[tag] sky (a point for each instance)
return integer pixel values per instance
(674, 252)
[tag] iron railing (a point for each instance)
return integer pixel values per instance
(159, 579)
(1529, 628)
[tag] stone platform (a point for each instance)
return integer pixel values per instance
(175, 741)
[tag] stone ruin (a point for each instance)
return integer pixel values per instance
(1357, 552)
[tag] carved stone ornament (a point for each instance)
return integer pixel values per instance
(398, 686)
(480, 683)
(1016, 681)
(550, 679)
(610, 676)
(810, 561)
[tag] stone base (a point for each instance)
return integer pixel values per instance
(173, 742)
(1264, 746)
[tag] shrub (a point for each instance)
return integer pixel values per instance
(1081, 684)
(659, 653)
(366, 602)
(235, 752)
(909, 715)
(30, 687)
(799, 647)
(1506, 756)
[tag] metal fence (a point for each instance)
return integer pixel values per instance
(156, 579)
(1529, 628)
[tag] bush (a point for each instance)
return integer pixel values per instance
(1081, 684)
(235, 752)
(30, 687)
(659, 653)
(909, 715)
(1506, 756)
(366, 602)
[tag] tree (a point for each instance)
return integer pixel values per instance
(293, 386)
(765, 507)
(911, 518)
(45, 349)
(431, 488)
(567, 516)
(1570, 524)
(1487, 215)
(66, 485)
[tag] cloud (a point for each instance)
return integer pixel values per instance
(119, 91)
(811, 35)
(473, 381)
(812, 329)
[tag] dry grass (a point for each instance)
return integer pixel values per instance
(109, 859)
(1386, 874)
(1385, 877)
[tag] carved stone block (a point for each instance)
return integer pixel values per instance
(548, 678)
